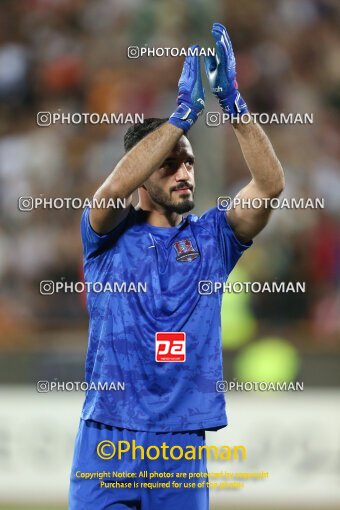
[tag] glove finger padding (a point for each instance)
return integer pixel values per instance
(222, 77)
(221, 54)
(219, 31)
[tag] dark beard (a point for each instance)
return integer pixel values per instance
(161, 198)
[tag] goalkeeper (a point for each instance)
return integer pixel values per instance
(169, 381)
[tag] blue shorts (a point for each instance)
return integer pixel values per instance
(107, 490)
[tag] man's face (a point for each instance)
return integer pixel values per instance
(172, 186)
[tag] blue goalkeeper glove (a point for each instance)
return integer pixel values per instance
(221, 73)
(191, 93)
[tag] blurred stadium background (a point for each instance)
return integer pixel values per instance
(72, 56)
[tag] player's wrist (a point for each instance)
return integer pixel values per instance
(185, 116)
(233, 103)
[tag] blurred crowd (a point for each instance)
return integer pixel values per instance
(58, 55)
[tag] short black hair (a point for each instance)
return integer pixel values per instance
(138, 131)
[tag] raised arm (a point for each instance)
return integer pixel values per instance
(131, 171)
(266, 171)
(267, 181)
(148, 155)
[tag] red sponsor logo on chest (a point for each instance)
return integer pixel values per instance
(170, 346)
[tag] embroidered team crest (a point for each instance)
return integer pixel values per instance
(185, 251)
